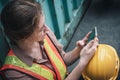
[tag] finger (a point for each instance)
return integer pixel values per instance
(87, 36)
(89, 45)
(80, 43)
(96, 38)
(93, 48)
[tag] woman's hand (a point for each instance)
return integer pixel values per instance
(83, 42)
(88, 51)
(86, 54)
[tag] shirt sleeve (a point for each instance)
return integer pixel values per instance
(16, 75)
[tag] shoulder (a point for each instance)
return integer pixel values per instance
(54, 39)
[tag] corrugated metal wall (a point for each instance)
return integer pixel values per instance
(62, 16)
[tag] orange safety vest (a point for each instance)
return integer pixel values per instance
(40, 71)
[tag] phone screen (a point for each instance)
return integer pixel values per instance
(93, 34)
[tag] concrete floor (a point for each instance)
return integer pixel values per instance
(105, 14)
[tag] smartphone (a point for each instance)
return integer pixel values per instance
(93, 34)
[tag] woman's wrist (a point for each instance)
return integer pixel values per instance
(83, 63)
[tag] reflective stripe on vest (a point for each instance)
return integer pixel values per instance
(37, 70)
(55, 59)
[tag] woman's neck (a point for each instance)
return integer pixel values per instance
(27, 46)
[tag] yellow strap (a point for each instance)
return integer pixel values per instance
(59, 67)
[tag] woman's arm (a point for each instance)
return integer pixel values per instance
(73, 55)
(85, 56)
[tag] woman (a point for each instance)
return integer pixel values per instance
(35, 52)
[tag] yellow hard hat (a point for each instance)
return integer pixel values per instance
(104, 65)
